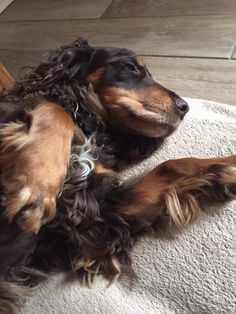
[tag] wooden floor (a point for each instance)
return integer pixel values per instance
(189, 45)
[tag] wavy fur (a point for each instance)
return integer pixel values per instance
(94, 231)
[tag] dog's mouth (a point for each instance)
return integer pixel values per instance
(160, 126)
(164, 118)
(148, 120)
(145, 114)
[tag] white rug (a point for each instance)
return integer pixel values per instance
(193, 273)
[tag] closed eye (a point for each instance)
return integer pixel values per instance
(132, 67)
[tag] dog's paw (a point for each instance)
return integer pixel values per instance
(219, 180)
(227, 177)
(31, 182)
(33, 165)
(30, 189)
(29, 206)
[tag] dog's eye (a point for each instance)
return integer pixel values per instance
(132, 67)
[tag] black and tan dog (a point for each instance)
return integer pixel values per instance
(66, 129)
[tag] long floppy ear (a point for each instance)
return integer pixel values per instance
(66, 63)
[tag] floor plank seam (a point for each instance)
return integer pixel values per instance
(6, 50)
(114, 18)
(106, 10)
(183, 57)
(49, 20)
(163, 16)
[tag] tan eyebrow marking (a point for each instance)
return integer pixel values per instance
(95, 76)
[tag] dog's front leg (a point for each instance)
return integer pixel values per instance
(34, 155)
(180, 188)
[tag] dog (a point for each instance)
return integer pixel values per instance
(67, 129)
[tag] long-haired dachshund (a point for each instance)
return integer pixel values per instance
(67, 128)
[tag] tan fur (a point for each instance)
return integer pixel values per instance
(184, 207)
(116, 264)
(100, 169)
(128, 109)
(229, 176)
(25, 194)
(92, 267)
(174, 186)
(34, 164)
(14, 135)
(95, 76)
(90, 273)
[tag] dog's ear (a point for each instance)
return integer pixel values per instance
(66, 63)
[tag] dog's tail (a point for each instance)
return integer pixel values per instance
(12, 297)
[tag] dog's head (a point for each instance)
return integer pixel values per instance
(132, 100)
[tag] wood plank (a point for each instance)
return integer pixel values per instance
(140, 8)
(197, 78)
(176, 36)
(17, 61)
(4, 4)
(23, 10)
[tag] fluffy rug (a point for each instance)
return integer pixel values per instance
(188, 272)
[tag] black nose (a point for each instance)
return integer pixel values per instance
(181, 105)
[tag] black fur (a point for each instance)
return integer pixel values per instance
(88, 227)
